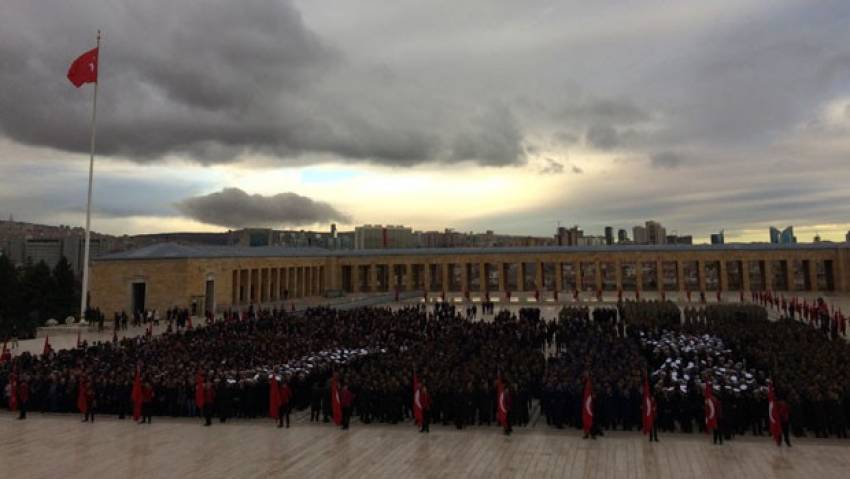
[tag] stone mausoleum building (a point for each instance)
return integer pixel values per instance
(212, 278)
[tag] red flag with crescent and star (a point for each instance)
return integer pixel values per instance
(773, 415)
(587, 407)
(417, 405)
(710, 408)
(84, 69)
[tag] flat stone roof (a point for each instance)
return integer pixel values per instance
(180, 251)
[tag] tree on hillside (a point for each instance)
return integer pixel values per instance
(10, 303)
(64, 298)
(36, 287)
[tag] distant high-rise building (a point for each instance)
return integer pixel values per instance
(623, 237)
(569, 236)
(785, 236)
(718, 238)
(609, 235)
(378, 237)
(639, 235)
(655, 233)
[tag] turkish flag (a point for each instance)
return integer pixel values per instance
(648, 409)
(587, 407)
(773, 415)
(82, 400)
(274, 398)
(710, 408)
(417, 404)
(136, 394)
(199, 390)
(336, 403)
(84, 69)
(504, 404)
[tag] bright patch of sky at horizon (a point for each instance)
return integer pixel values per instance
(703, 116)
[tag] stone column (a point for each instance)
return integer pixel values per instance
(639, 275)
(373, 278)
(409, 283)
(538, 276)
(249, 296)
(701, 274)
(813, 275)
(577, 269)
(598, 282)
(768, 275)
(520, 274)
(501, 277)
(464, 277)
(745, 275)
(680, 276)
(426, 276)
(724, 277)
(265, 280)
(445, 273)
(618, 274)
(235, 286)
(559, 276)
(789, 274)
(482, 274)
(659, 276)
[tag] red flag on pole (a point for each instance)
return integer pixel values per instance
(587, 407)
(336, 403)
(136, 395)
(773, 415)
(84, 69)
(710, 408)
(274, 398)
(46, 348)
(417, 404)
(78, 338)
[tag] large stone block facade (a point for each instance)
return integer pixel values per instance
(222, 281)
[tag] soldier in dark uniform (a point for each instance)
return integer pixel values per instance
(316, 395)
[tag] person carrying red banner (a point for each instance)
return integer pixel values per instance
(199, 392)
(136, 394)
(274, 398)
(336, 402)
(82, 399)
(504, 402)
(648, 409)
(712, 414)
(417, 405)
(773, 415)
(587, 410)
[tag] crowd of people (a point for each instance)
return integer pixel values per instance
(378, 359)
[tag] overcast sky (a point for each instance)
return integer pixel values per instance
(503, 115)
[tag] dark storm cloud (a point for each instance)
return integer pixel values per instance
(217, 79)
(234, 208)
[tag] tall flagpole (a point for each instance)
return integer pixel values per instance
(83, 300)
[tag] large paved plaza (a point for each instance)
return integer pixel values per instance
(61, 446)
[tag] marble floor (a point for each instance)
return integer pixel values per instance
(60, 446)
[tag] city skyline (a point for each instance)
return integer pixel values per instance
(510, 117)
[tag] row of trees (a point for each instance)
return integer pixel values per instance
(32, 294)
